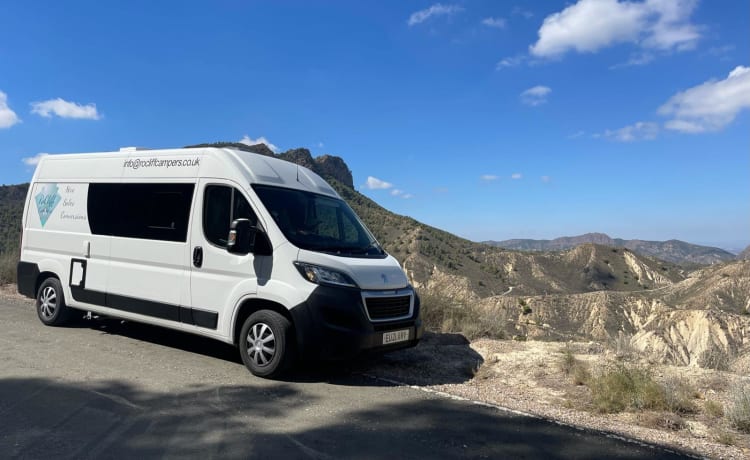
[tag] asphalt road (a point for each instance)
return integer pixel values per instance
(106, 389)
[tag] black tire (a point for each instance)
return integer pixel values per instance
(50, 303)
(267, 344)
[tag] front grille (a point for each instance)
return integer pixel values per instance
(385, 308)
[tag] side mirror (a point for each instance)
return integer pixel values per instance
(241, 237)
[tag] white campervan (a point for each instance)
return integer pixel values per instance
(240, 247)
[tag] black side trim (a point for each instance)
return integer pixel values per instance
(202, 318)
(88, 296)
(27, 273)
(171, 312)
(144, 307)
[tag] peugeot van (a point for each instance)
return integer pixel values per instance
(244, 248)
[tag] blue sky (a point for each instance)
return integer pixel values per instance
(489, 119)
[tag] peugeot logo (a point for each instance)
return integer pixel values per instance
(384, 278)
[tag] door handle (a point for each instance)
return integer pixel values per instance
(198, 256)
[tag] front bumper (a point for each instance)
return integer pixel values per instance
(332, 324)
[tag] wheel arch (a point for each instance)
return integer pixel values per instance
(43, 276)
(49, 268)
(248, 307)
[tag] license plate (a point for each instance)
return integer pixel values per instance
(395, 336)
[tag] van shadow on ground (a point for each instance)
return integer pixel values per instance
(48, 418)
(438, 359)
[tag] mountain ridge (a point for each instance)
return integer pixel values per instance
(673, 250)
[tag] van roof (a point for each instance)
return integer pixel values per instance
(134, 165)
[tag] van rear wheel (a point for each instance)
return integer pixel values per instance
(266, 343)
(50, 303)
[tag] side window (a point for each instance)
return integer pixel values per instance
(222, 205)
(351, 233)
(326, 221)
(145, 211)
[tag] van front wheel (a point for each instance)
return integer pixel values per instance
(266, 343)
(50, 303)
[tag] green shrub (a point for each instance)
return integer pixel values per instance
(623, 388)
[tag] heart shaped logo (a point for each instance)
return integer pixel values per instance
(46, 201)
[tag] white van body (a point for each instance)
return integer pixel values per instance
(145, 236)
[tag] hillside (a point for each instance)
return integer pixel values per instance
(458, 268)
(11, 210)
(682, 323)
(674, 251)
(745, 254)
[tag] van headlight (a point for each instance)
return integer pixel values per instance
(323, 275)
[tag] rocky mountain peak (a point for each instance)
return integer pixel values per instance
(335, 167)
(326, 166)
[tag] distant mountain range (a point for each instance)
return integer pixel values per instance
(674, 251)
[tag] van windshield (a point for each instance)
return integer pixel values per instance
(318, 222)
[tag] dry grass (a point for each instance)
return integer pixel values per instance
(713, 408)
(738, 411)
(573, 367)
(441, 314)
(622, 347)
(679, 395)
(715, 358)
(663, 421)
(8, 261)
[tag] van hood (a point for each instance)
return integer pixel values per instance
(368, 273)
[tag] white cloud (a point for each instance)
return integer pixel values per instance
(536, 95)
(513, 61)
(590, 25)
(8, 117)
(407, 196)
(577, 134)
(373, 183)
(33, 161)
(488, 177)
(516, 176)
(438, 9)
(518, 11)
(397, 192)
(65, 109)
(546, 179)
(321, 145)
(709, 106)
(640, 131)
(636, 59)
(497, 23)
(247, 140)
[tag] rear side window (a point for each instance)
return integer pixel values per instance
(145, 211)
(222, 205)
